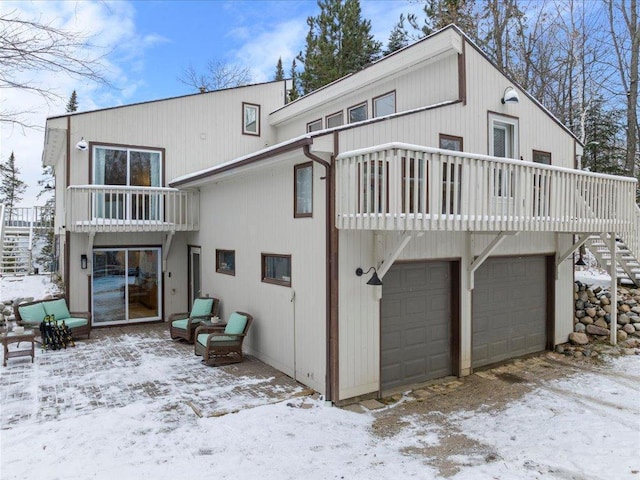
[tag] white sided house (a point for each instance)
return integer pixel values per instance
(429, 165)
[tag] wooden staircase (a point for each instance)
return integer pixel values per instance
(627, 252)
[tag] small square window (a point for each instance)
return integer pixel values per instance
(450, 142)
(542, 157)
(358, 113)
(303, 190)
(226, 262)
(384, 104)
(276, 269)
(314, 126)
(250, 119)
(335, 120)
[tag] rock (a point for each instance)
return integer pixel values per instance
(580, 327)
(591, 312)
(622, 335)
(604, 300)
(580, 313)
(600, 313)
(623, 319)
(629, 329)
(559, 349)
(624, 308)
(597, 290)
(601, 323)
(583, 296)
(577, 354)
(628, 351)
(607, 308)
(578, 338)
(579, 305)
(594, 330)
(637, 327)
(586, 320)
(636, 309)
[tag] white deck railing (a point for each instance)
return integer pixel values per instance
(408, 187)
(100, 208)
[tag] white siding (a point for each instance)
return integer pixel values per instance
(252, 213)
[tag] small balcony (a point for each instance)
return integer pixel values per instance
(108, 208)
(413, 188)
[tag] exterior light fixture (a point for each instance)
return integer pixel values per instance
(510, 96)
(374, 280)
(83, 262)
(82, 144)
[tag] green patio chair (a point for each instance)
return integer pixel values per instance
(183, 325)
(223, 345)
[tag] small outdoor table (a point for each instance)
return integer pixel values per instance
(28, 336)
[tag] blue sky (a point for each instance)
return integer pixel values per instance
(146, 46)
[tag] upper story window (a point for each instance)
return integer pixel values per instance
(276, 269)
(450, 142)
(130, 167)
(503, 136)
(314, 126)
(303, 190)
(358, 113)
(335, 120)
(384, 104)
(226, 261)
(250, 119)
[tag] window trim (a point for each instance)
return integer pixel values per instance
(454, 138)
(510, 120)
(244, 126)
(221, 270)
(379, 97)
(297, 167)
(535, 152)
(271, 280)
(312, 123)
(330, 116)
(364, 104)
(119, 146)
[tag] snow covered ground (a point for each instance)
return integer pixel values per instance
(583, 426)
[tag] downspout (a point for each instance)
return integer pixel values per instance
(67, 235)
(331, 239)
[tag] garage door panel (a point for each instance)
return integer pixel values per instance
(416, 307)
(509, 309)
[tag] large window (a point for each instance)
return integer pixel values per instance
(276, 269)
(384, 104)
(358, 113)
(127, 167)
(250, 119)
(303, 190)
(226, 262)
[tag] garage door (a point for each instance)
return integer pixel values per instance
(416, 326)
(509, 309)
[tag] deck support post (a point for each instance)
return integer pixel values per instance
(613, 326)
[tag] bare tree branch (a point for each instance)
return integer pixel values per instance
(217, 75)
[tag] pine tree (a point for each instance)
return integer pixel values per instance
(11, 186)
(339, 42)
(72, 104)
(440, 13)
(279, 70)
(399, 37)
(294, 92)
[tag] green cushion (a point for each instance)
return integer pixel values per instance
(181, 324)
(202, 339)
(57, 308)
(222, 340)
(32, 314)
(73, 322)
(236, 324)
(202, 306)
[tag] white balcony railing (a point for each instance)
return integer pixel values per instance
(108, 208)
(408, 187)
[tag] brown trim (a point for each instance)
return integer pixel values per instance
(67, 264)
(300, 166)
(455, 138)
(247, 161)
(68, 166)
(222, 270)
(551, 301)
(358, 105)
(275, 281)
(462, 74)
(535, 152)
(331, 115)
(395, 104)
(311, 123)
(258, 119)
(456, 318)
(190, 295)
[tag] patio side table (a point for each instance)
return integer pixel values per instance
(28, 336)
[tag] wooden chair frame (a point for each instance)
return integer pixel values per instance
(75, 331)
(215, 354)
(187, 334)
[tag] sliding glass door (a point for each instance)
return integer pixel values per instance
(126, 285)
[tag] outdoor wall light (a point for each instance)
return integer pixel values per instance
(374, 280)
(82, 144)
(510, 96)
(83, 262)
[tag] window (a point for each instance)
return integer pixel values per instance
(450, 142)
(503, 142)
(358, 113)
(384, 104)
(373, 180)
(413, 185)
(451, 176)
(303, 190)
(314, 126)
(542, 157)
(276, 269)
(250, 119)
(226, 261)
(335, 120)
(121, 166)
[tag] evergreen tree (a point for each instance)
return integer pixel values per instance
(398, 38)
(339, 42)
(11, 186)
(294, 92)
(604, 150)
(279, 70)
(72, 104)
(440, 13)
